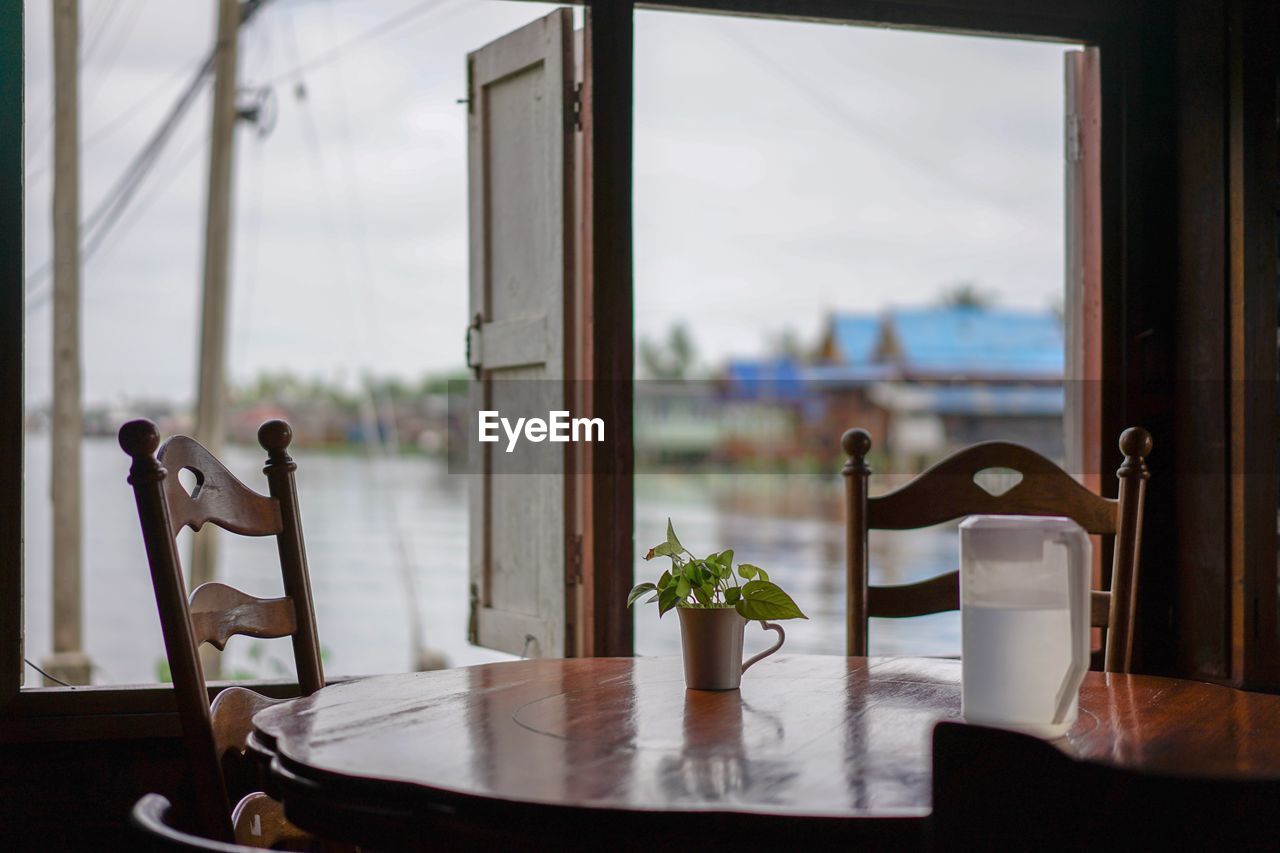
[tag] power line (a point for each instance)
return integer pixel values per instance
(111, 52)
(99, 26)
(113, 205)
(51, 678)
(376, 31)
(107, 213)
(104, 23)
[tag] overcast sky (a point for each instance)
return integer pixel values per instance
(783, 171)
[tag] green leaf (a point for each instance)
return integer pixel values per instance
(667, 599)
(672, 542)
(700, 594)
(691, 573)
(663, 550)
(638, 590)
(732, 594)
(682, 588)
(652, 599)
(762, 574)
(747, 571)
(726, 559)
(766, 600)
(665, 580)
(709, 589)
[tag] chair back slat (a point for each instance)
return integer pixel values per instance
(935, 595)
(232, 715)
(218, 497)
(219, 612)
(948, 491)
(260, 823)
(941, 593)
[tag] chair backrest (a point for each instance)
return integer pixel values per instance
(1001, 790)
(152, 817)
(214, 612)
(948, 491)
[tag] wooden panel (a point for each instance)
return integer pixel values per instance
(520, 153)
(1141, 344)
(1252, 177)
(610, 49)
(1202, 586)
(1082, 388)
(219, 612)
(1084, 20)
(12, 289)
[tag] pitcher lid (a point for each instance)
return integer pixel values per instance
(1051, 523)
(1012, 538)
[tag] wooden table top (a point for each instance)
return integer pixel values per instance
(806, 736)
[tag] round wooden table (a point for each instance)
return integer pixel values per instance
(559, 752)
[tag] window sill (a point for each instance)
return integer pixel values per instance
(43, 714)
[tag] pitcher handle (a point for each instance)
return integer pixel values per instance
(1078, 586)
(782, 638)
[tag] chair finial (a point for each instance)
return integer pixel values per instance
(1135, 444)
(856, 443)
(139, 438)
(275, 436)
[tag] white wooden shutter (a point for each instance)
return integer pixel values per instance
(521, 177)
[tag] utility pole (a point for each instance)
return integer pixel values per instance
(211, 392)
(68, 661)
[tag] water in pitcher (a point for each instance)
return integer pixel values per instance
(1014, 661)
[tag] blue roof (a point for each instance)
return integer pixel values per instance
(765, 379)
(971, 340)
(856, 336)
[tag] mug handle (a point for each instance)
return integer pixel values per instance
(1078, 586)
(782, 638)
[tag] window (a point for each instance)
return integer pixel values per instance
(347, 307)
(835, 227)
(1166, 314)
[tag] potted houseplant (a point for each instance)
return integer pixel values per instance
(715, 600)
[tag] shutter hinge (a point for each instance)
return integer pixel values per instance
(575, 559)
(470, 99)
(475, 345)
(473, 619)
(576, 100)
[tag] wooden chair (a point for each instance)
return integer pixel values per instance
(153, 818)
(947, 491)
(215, 612)
(1001, 790)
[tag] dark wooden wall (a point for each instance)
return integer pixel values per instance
(75, 795)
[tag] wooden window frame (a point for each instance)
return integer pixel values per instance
(1133, 317)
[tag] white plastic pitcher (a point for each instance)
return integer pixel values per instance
(1024, 621)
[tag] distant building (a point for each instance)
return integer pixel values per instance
(922, 381)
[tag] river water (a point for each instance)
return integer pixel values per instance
(359, 512)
